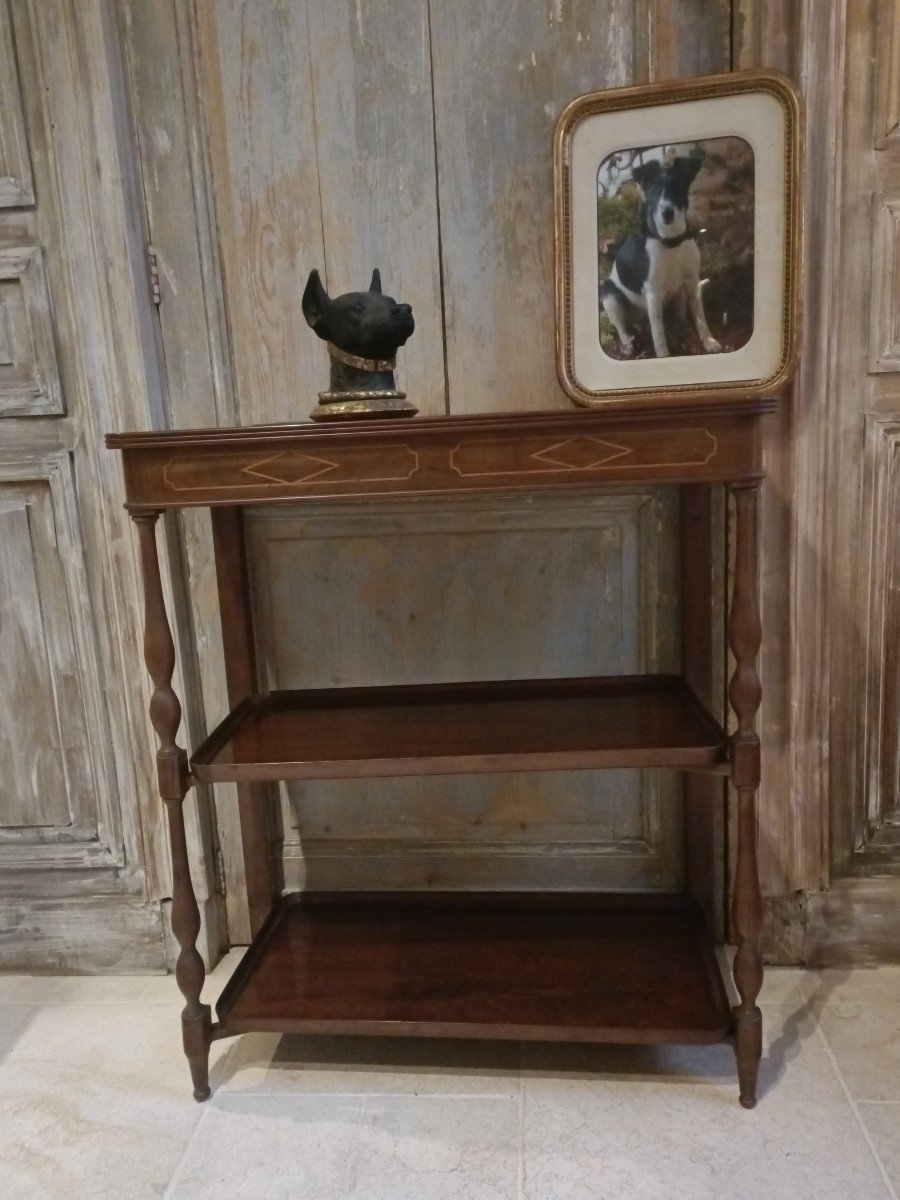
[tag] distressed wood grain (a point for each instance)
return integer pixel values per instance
(768, 33)
(255, 84)
(363, 596)
(676, 39)
(670, 43)
(159, 39)
(886, 122)
(881, 750)
(502, 74)
(34, 792)
(847, 392)
(62, 789)
(839, 552)
(29, 375)
(16, 182)
(371, 93)
(197, 385)
(86, 223)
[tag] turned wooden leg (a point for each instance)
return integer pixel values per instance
(744, 635)
(174, 781)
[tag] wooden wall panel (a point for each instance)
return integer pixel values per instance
(29, 376)
(198, 387)
(255, 84)
(768, 33)
(881, 702)
(34, 787)
(502, 74)
(682, 38)
(371, 92)
(548, 586)
(886, 123)
(58, 791)
(884, 310)
(474, 175)
(16, 183)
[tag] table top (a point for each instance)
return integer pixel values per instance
(439, 455)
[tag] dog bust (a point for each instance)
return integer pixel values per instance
(657, 270)
(363, 331)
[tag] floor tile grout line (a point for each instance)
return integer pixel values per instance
(309, 1095)
(854, 1108)
(863, 1100)
(520, 1147)
(175, 1177)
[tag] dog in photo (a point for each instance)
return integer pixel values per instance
(657, 269)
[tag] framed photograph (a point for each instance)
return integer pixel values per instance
(678, 241)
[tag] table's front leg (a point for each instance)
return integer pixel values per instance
(745, 693)
(174, 781)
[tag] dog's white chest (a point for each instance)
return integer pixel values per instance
(671, 267)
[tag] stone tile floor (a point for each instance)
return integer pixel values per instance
(95, 1102)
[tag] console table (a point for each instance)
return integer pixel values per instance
(605, 968)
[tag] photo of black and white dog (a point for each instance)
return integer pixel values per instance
(656, 274)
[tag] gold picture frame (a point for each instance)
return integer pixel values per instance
(742, 134)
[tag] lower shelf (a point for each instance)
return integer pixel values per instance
(538, 967)
(457, 728)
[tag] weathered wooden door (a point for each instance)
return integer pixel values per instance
(852, 453)
(415, 136)
(76, 822)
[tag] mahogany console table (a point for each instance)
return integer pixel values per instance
(606, 968)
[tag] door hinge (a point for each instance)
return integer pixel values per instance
(220, 872)
(153, 272)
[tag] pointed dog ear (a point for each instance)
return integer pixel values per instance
(688, 168)
(316, 304)
(375, 285)
(645, 173)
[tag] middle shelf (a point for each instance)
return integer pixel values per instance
(461, 728)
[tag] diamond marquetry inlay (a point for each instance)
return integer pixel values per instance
(290, 466)
(582, 453)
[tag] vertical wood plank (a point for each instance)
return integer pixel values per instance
(678, 39)
(196, 393)
(371, 83)
(257, 92)
(16, 183)
(767, 33)
(34, 789)
(502, 74)
(69, 81)
(675, 41)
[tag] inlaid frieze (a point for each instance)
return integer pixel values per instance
(291, 467)
(429, 457)
(687, 447)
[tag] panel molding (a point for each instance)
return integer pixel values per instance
(89, 837)
(887, 81)
(579, 830)
(884, 313)
(16, 183)
(880, 716)
(29, 376)
(89, 935)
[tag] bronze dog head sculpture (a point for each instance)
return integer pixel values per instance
(363, 331)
